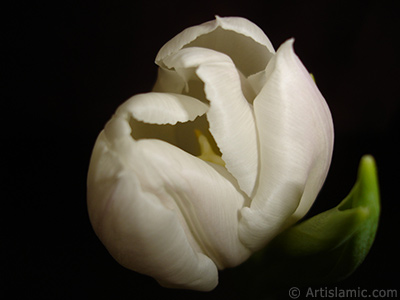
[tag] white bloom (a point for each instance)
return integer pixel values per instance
(231, 147)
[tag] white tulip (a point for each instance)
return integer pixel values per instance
(231, 147)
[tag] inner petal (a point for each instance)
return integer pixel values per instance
(247, 89)
(234, 45)
(230, 115)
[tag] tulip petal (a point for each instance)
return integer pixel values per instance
(296, 142)
(205, 195)
(257, 81)
(230, 115)
(161, 211)
(168, 81)
(163, 108)
(138, 231)
(232, 36)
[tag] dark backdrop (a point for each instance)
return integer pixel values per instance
(70, 64)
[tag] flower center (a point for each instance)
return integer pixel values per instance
(207, 153)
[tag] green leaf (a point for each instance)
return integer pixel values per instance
(327, 247)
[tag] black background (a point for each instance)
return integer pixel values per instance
(68, 65)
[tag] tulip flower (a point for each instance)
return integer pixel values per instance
(230, 148)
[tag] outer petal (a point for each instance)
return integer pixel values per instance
(296, 142)
(232, 36)
(230, 115)
(138, 231)
(163, 108)
(162, 212)
(146, 112)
